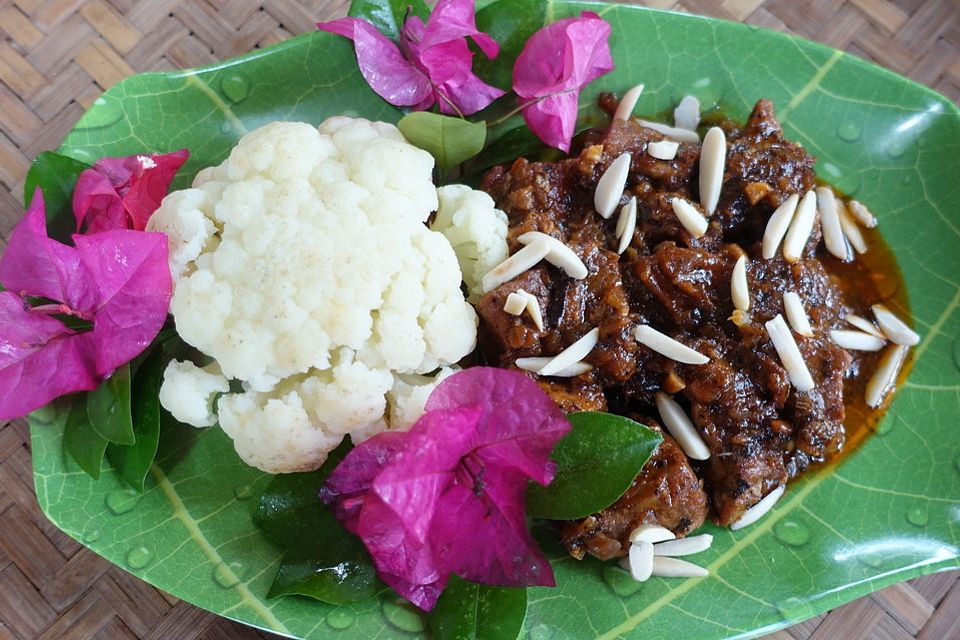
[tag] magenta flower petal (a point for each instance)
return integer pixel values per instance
(40, 359)
(96, 201)
(553, 119)
(455, 20)
(132, 276)
(448, 65)
(382, 64)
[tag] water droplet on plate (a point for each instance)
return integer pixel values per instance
(340, 618)
(897, 148)
(885, 426)
(873, 560)
(620, 581)
(243, 492)
(917, 515)
(139, 557)
(906, 180)
(849, 131)
(229, 575)
(543, 632)
(403, 615)
(795, 609)
(122, 500)
(104, 111)
(791, 532)
(91, 535)
(235, 87)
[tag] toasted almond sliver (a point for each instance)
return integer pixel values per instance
(796, 315)
(663, 149)
(678, 423)
(641, 561)
(687, 114)
(536, 364)
(833, 237)
(856, 340)
(760, 509)
(800, 227)
(777, 226)
(522, 260)
(713, 161)
(665, 567)
(651, 533)
(516, 302)
(674, 133)
(611, 185)
(864, 325)
(628, 216)
(739, 290)
(893, 327)
(850, 229)
(572, 354)
(691, 219)
(861, 214)
(789, 353)
(533, 308)
(628, 103)
(667, 346)
(885, 377)
(683, 546)
(559, 254)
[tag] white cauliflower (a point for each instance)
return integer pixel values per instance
(188, 392)
(303, 267)
(476, 229)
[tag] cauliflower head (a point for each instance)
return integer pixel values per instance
(303, 267)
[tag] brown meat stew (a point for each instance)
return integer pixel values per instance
(760, 430)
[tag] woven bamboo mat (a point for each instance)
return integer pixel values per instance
(57, 56)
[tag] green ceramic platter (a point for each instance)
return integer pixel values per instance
(891, 511)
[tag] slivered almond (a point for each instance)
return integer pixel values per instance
(861, 214)
(663, 149)
(610, 186)
(856, 340)
(665, 567)
(833, 237)
(687, 114)
(536, 364)
(524, 259)
(533, 308)
(777, 226)
(893, 327)
(627, 224)
(796, 315)
(667, 346)
(651, 533)
(675, 133)
(689, 217)
(713, 160)
(572, 354)
(850, 229)
(641, 561)
(516, 302)
(738, 285)
(800, 227)
(789, 353)
(683, 546)
(559, 254)
(864, 325)
(760, 509)
(628, 103)
(885, 377)
(678, 423)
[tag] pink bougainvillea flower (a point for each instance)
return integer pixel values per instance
(119, 281)
(122, 193)
(555, 64)
(448, 496)
(433, 62)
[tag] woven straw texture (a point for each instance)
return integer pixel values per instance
(57, 56)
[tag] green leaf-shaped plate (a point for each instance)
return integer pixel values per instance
(891, 511)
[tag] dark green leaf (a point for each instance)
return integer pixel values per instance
(388, 15)
(471, 611)
(108, 408)
(449, 140)
(81, 440)
(510, 23)
(56, 175)
(289, 505)
(596, 462)
(327, 563)
(133, 462)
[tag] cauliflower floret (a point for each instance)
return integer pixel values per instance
(476, 229)
(188, 392)
(303, 267)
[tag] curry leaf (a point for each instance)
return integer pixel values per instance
(471, 611)
(56, 175)
(108, 407)
(133, 461)
(81, 440)
(596, 462)
(449, 140)
(388, 15)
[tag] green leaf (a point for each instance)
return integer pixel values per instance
(596, 462)
(133, 462)
(449, 140)
(108, 407)
(56, 175)
(510, 23)
(471, 611)
(80, 439)
(388, 15)
(327, 563)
